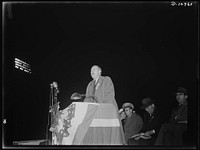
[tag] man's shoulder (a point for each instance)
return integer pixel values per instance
(157, 112)
(136, 115)
(105, 78)
(176, 108)
(90, 83)
(185, 103)
(108, 78)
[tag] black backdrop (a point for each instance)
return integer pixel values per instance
(148, 49)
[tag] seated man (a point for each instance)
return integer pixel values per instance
(151, 125)
(171, 133)
(133, 122)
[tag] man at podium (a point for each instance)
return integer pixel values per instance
(94, 121)
(100, 89)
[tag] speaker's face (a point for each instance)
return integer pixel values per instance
(95, 72)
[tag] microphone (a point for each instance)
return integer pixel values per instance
(55, 85)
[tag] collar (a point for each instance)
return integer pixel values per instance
(96, 80)
(185, 103)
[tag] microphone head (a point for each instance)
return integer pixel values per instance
(55, 84)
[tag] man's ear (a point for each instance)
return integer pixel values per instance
(100, 72)
(186, 96)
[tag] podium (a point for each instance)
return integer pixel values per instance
(83, 123)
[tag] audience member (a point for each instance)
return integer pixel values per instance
(171, 133)
(151, 124)
(133, 122)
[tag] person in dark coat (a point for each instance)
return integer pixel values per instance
(151, 124)
(171, 133)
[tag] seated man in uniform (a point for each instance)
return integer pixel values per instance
(171, 133)
(133, 122)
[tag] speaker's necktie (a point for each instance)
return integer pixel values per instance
(94, 88)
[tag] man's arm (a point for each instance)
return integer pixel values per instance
(183, 121)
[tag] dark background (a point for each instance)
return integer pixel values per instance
(148, 50)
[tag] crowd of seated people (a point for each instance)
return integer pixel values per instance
(148, 129)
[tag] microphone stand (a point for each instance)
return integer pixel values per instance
(53, 110)
(49, 136)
